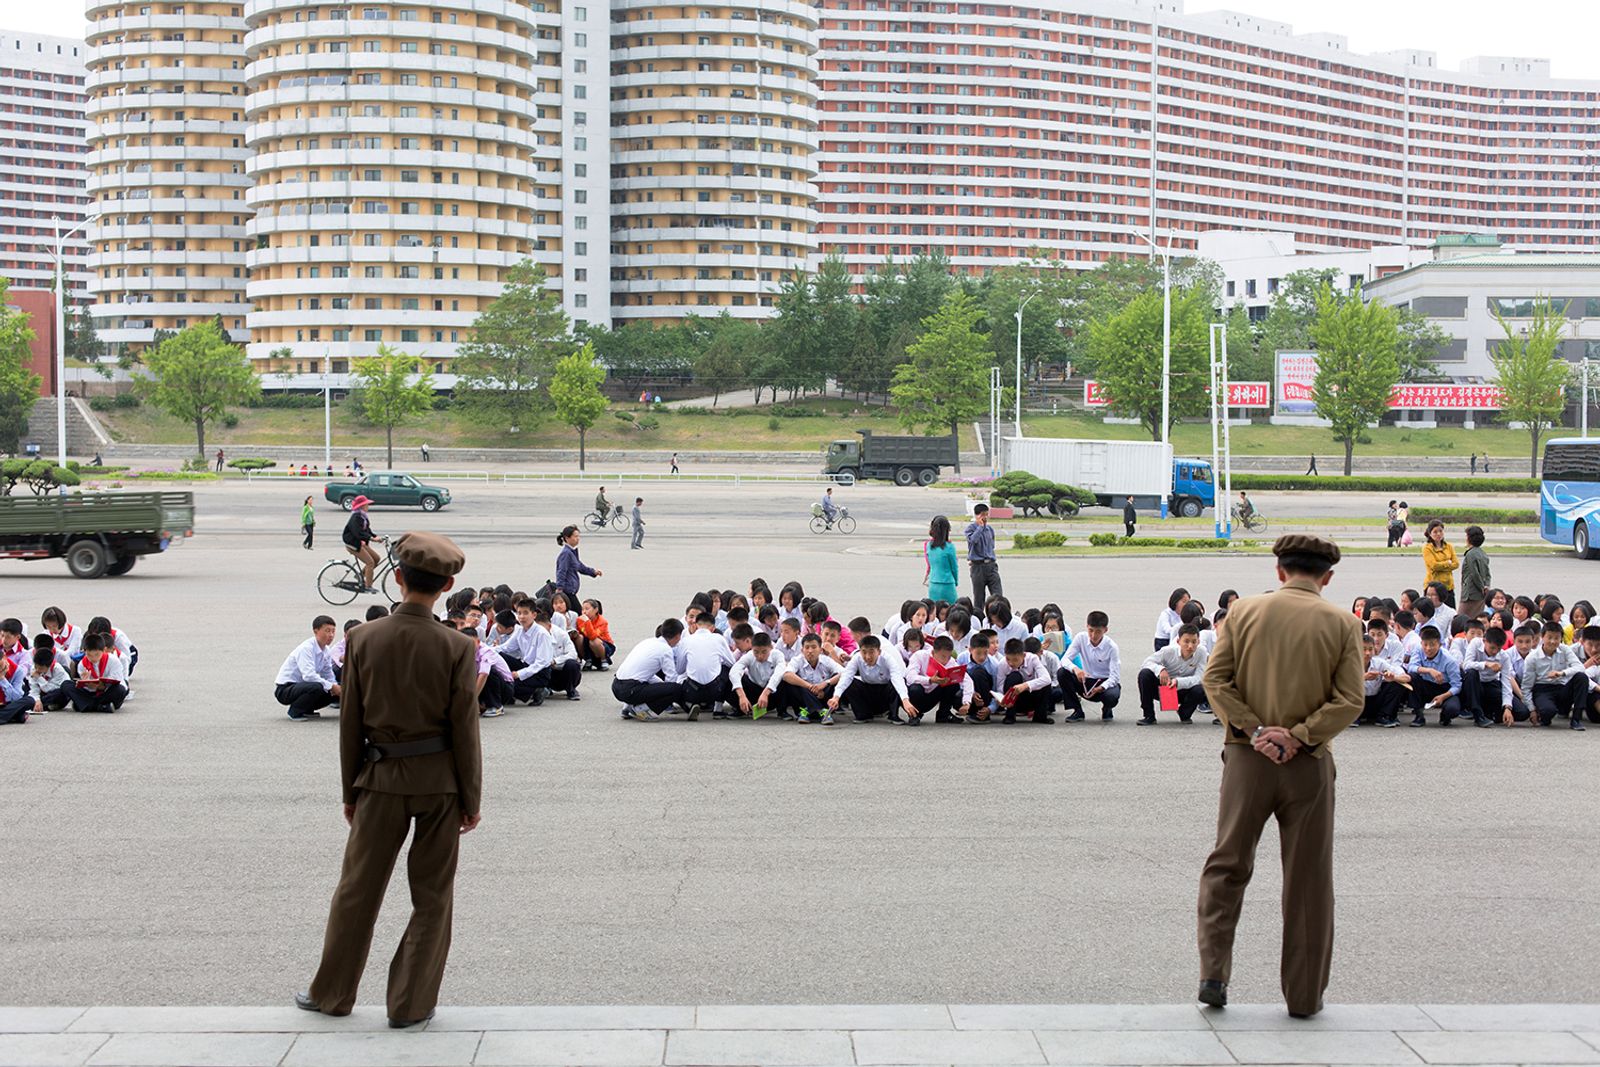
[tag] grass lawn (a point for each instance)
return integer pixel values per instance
(1509, 448)
(740, 430)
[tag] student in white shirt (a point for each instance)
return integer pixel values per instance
(46, 681)
(1168, 621)
(755, 677)
(1006, 626)
(16, 703)
(646, 681)
(1555, 680)
(958, 628)
(68, 638)
(1487, 677)
(117, 642)
(981, 663)
(529, 652)
(788, 643)
(1052, 665)
(859, 627)
(928, 690)
(1181, 665)
(1100, 676)
(806, 681)
(707, 660)
(872, 683)
(1024, 685)
(566, 670)
(913, 615)
(1385, 644)
(1383, 683)
(305, 681)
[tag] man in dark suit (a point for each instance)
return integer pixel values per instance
(1130, 517)
(408, 756)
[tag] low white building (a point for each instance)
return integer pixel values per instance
(1470, 279)
(1255, 262)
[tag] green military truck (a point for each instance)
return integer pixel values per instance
(902, 460)
(97, 533)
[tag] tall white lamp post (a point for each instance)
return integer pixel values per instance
(1022, 303)
(61, 337)
(1166, 350)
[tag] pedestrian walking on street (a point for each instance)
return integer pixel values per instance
(219, 461)
(426, 456)
(1486, 463)
(982, 566)
(1130, 517)
(942, 565)
(1474, 574)
(674, 463)
(308, 521)
(1285, 677)
(1474, 461)
(638, 523)
(410, 765)
(1311, 471)
(568, 566)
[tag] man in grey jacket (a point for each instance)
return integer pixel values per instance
(638, 523)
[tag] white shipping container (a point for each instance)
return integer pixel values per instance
(1111, 468)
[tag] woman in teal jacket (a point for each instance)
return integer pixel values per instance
(942, 564)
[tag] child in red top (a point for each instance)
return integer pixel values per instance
(593, 642)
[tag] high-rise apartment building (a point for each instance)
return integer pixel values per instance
(42, 151)
(168, 167)
(989, 130)
(713, 130)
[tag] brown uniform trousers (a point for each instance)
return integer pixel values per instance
(406, 678)
(1293, 660)
(1299, 794)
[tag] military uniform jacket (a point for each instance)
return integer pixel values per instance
(1289, 659)
(406, 678)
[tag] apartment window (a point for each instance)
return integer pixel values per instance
(408, 337)
(372, 335)
(580, 40)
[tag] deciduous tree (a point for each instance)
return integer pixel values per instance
(197, 376)
(1126, 349)
(1531, 374)
(515, 343)
(19, 386)
(575, 391)
(1356, 342)
(945, 379)
(391, 388)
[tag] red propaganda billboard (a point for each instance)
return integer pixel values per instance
(1240, 394)
(1446, 397)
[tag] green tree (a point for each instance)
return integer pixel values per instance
(1247, 361)
(197, 376)
(1126, 349)
(1053, 290)
(1420, 341)
(19, 386)
(1531, 374)
(575, 391)
(945, 381)
(724, 363)
(1287, 326)
(515, 343)
(793, 335)
(1357, 368)
(392, 387)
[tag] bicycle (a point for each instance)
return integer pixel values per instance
(842, 522)
(342, 580)
(1255, 522)
(596, 521)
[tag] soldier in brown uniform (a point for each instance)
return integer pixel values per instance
(408, 755)
(1285, 677)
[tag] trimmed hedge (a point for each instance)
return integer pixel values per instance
(172, 476)
(1043, 539)
(1480, 516)
(1034, 496)
(1399, 484)
(1110, 540)
(251, 463)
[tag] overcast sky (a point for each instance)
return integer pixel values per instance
(1563, 31)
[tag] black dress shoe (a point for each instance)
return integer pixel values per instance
(304, 1002)
(1306, 1014)
(1419, 720)
(1213, 993)
(401, 1024)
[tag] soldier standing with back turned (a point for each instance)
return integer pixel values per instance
(408, 755)
(1286, 678)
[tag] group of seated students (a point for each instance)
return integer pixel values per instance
(527, 647)
(63, 665)
(747, 656)
(1519, 660)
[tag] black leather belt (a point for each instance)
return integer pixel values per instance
(377, 753)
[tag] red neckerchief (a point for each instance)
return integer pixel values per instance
(96, 674)
(11, 667)
(64, 638)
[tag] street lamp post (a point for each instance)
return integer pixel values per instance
(327, 412)
(1166, 348)
(61, 337)
(1022, 303)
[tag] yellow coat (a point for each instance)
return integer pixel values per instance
(1441, 563)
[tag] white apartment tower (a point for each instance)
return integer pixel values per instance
(167, 167)
(42, 152)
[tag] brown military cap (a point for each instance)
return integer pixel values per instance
(431, 552)
(1300, 544)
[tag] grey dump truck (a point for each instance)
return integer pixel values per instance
(902, 460)
(97, 533)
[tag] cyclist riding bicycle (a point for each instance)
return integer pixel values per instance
(358, 538)
(1244, 508)
(830, 511)
(602, 506)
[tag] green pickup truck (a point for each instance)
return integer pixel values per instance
(97, 533)
(388, 489)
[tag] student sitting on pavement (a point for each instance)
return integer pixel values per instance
(306, 681)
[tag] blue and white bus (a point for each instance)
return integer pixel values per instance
(1569, 494)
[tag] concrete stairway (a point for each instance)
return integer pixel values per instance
(85, 436)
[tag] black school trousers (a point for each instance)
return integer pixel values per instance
(707, 693)
(1189, 697)
(1562, 698)
(1035, 702)
(657, 696)
(868, 700)
(1074, 692)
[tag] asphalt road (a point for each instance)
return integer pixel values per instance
(183, 851)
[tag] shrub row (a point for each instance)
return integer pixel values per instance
(1480, 516)
(1110, 540)
(113, 403)
(1397, 485)
(251, 463)
(1043, 539)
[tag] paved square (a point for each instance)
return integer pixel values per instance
(183, 851)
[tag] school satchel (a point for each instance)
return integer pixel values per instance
(546, 591)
